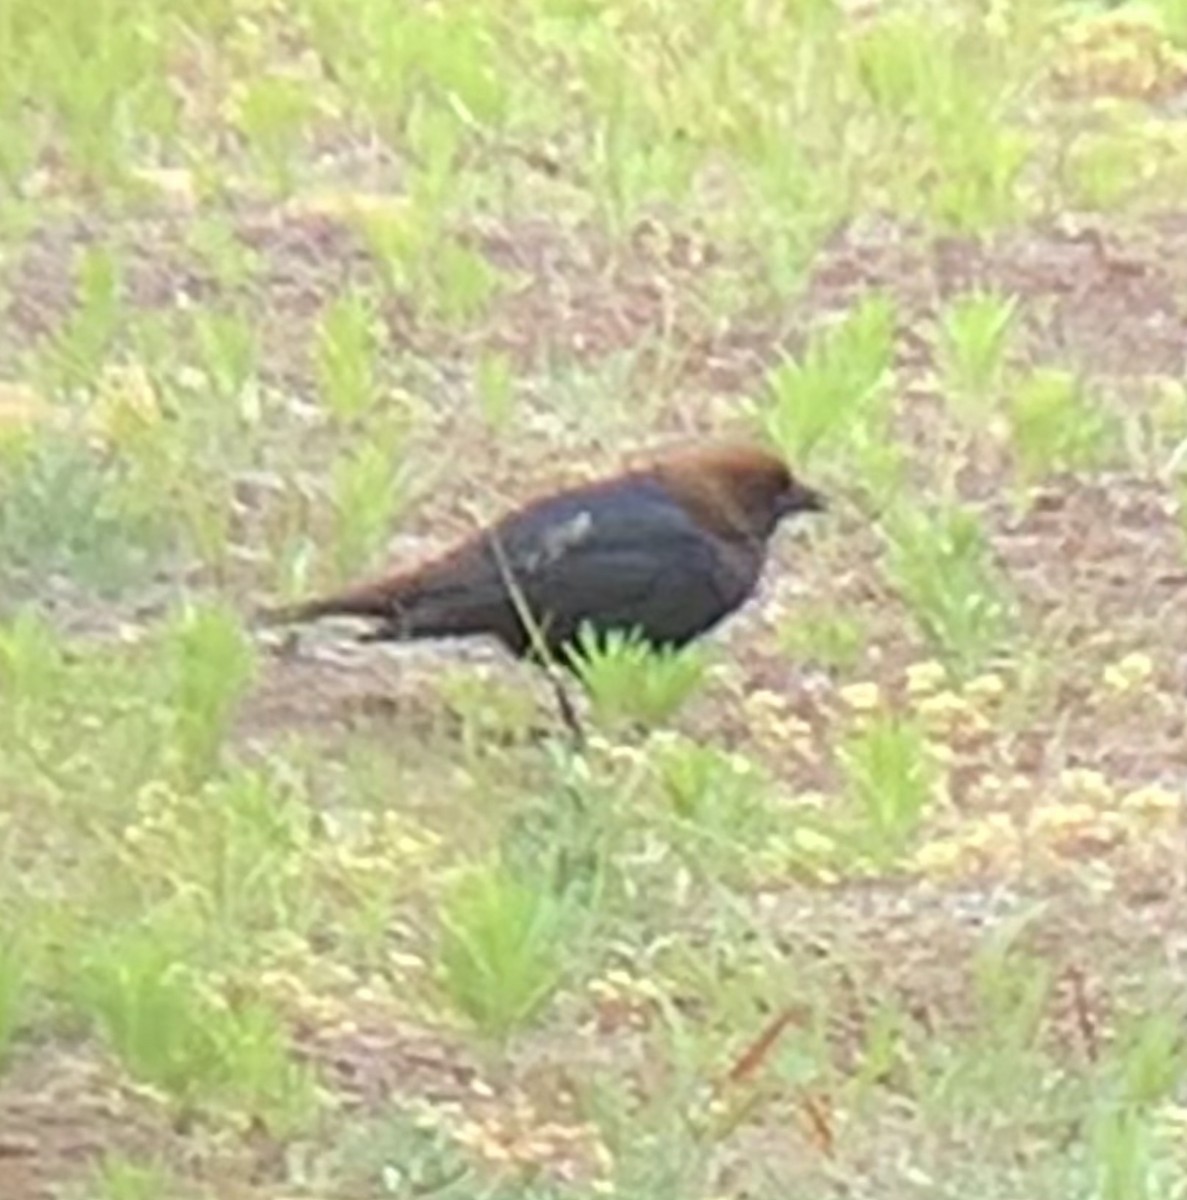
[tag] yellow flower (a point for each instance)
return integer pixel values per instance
(765, 700)
(22, 407)
(126, 405)
(1173, 1117)
(861, 697)
(987, 688)
(940, 858)
(1152, 802)
(1060, 819)
(1086, 784)
(994, 832)
(175, 185)
(812, 842)
(811, 799)
(948, 711)
(1129, 672)
(923, 678)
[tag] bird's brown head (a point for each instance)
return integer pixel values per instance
(737, 491)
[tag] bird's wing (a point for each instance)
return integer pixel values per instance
(634, 560)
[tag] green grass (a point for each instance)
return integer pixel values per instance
(629, 683)
(290, 290)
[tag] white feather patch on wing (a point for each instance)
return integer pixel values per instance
(556, 542)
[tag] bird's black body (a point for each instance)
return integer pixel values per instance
(665, 552)
(610, 557)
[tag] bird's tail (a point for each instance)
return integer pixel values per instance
(454, 596)
(375, 599)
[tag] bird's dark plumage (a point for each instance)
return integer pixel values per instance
(667, 550)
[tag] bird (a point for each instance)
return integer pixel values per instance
(663, 551)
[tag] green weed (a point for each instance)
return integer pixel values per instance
(889, 779)
(631, 682)
(825, 637)
(76, 352)
(838, 385)
(944, 103)
(15, 988)
(65, 511)
(368, 494)
(212, 665)
(975, 334)
(172, 1029)
(495, 387)
(95, 76)
(404, 1151)
(121, 1178)
(239, 845)
(346, 354)
(228, 351)
(502, 949)
(1056, 425)
(942, 565)
(996, 1075)
(272, 114)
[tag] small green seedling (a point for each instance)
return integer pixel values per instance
(1056, 425)
(172, 1032)
(942, 565)
(229, 351)
(212, 665)
(15, 990)
(839, 382)
(65, 510)
(76, 354)
(272, 116)
(368, 492)
(889, 780)
(346, 356)
(824, 637)
(501, 948)
(631, 682)
(495, 386)
(117, 1177)
(975, 333)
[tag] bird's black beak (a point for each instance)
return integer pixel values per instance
(800, 498)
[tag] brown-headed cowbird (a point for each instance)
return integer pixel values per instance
(666, 550)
